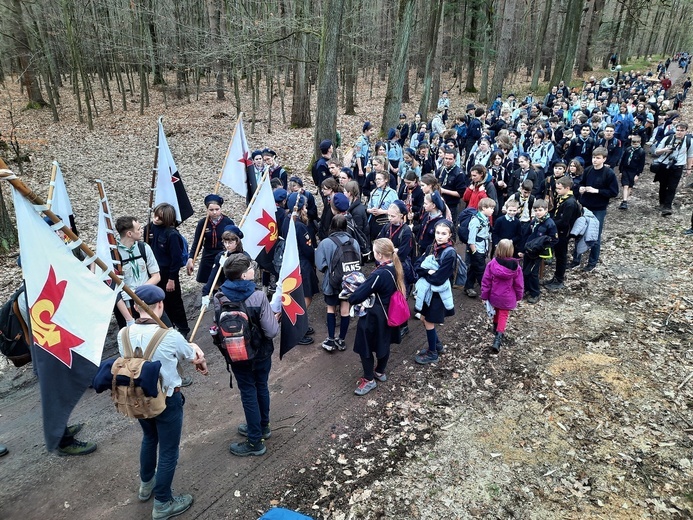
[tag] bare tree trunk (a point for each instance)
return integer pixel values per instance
(327, 82)
(349, 58)
(538, 49)
(300, 109)
(471, 56)
(503, 48)
(436, 12)
(8, 232)
(583, 40)
(486, 50)
(594, 31)
(24, 54)
(565, 57)
(398, 70)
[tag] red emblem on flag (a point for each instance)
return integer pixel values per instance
(48, 335)
(245, 160)
(268, 222)
(291, 307)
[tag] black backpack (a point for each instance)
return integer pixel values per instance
(463, 223)
(235, 334)
(345, 260)
(356, 233)
(14, 333)
(143, 254)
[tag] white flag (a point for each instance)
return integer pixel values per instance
(169, 186)
(234, 173)
(103, 245)
(259, 228)
(60, 203)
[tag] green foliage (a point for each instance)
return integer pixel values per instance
(33, 105)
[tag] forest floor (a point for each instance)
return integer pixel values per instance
(583, 414)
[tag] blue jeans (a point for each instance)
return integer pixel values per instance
(252, 382)
(163, 431)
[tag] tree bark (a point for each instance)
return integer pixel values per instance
(8, 232)
(583, 40)
(471, 55)
(538, 49)
(300, 109)
(28, 74)
(328, 82)
(565, 57)
(436, 12)
(504, 46)
(398, 69)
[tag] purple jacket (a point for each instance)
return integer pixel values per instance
(503, 285)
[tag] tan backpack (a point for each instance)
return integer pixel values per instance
(129, 399)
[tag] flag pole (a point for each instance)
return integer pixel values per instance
(222, 261)
(152, 189)
(252, 200)
(198, 246)
(25, 191)
(115, 255)
(51, 186)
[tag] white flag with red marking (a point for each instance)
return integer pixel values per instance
(259, 228)
(235, 171)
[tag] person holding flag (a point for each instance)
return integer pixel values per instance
(233, 243)
(209, 231)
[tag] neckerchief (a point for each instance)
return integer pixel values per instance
(562, 199)
(438, 249)
(393, 233)
(538, 221)
(214, 223)
(131, 252)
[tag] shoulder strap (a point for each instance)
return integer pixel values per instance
(143, 250)
(154, 343)
(125, 340)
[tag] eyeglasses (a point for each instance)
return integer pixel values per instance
(252, 266)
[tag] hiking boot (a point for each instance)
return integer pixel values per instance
(177, 505)
(364, 386)
(574, 265)
(533, 299)
(186, 381)
(544, 283)
(341, 344)
(77, 448)
(3, 450)
(555, 286)
(310, 331)
(380, 377)
(471, 293)
(266, 431)
(329, 344)
(305, 340)
(589, 268)
(666, 212)
(495, 348)
(624, 205)
(74, 429)
(246, 449)
(688, 232)
(426, 358)
(146, 488)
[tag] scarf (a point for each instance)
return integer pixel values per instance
(238, 290)
(438, 249)
(215, 239)
(131, 253)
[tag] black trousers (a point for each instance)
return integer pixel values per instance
(668, 183)
(174, 306)
(530, 270)
(561, 252)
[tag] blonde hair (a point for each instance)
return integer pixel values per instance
(386, 248)
(505, 248)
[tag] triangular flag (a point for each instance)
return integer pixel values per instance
(259, 228)
(234, 173)
(294, 321)
(70, 310)
(60, 203)
(169, 185)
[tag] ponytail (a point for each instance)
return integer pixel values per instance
(385, 247)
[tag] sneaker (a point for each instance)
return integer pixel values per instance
(364, 386)
(266, 431)
(75, 429)
(77, 448)
(574, 265)
(310, 331)
(544, 283)
(471, 293)
(380, 377)
(146, 488)
(246, 448)
(533, 299)
(403, 331)
(427, 358)
(666, 212)
(624, 205)
(688, 232)
(305, 340)
(329, 344)
(177, 505)
(341, 344)
(589, 268)
(555, 286)
(186, 381)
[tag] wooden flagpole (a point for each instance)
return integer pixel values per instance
(222, 261)
(51, 187)
(115, 255)
(198, 246)
(25, 191)
(152, 189)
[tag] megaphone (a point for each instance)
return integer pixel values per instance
(608, 82)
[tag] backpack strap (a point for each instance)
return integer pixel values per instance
(154, 343)
(125, 341)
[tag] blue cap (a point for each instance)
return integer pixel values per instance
(235, 230)
(280, 195)
(325, 145)
(340, 201)
(213, 198)
(256, 153)
(150, 294)
(391, 134)
(291, 201)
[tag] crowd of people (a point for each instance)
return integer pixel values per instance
(515, 183)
